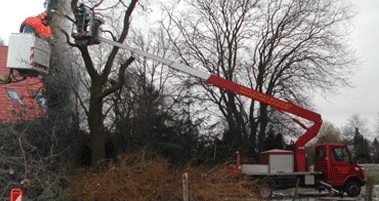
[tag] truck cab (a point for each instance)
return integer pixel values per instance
(338, 169)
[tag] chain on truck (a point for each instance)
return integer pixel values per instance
(334, 169)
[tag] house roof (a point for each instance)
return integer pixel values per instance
(21, 99)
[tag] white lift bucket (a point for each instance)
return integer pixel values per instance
(29, 53)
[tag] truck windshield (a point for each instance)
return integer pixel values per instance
(340, 154)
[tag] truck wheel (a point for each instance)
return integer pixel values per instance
(353, 189)
(265, 191)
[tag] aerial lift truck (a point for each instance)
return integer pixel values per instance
(334, 169)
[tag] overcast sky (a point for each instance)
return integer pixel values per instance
(14, 13)
(363, 99)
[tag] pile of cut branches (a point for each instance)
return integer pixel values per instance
(216, 184)
(145, 177)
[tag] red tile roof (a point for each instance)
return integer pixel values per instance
(27, 107)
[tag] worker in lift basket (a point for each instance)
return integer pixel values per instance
(83, 19)
(38, 25)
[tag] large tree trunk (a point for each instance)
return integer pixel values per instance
(100, 70)
(253, 130)
(95, 123)
(263, 119)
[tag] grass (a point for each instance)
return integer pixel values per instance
(372, 170)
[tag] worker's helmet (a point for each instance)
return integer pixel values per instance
(43, 15)
(44, 18)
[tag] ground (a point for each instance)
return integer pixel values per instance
(312, 195)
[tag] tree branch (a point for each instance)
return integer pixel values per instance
(68, 39)
(124, 33)
(121, 78)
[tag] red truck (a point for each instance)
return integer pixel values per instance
(335, 163)
(334, 171)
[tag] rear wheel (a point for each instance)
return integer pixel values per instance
(265, 187)
(265, 191)
(353, 188)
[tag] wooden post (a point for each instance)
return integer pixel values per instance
(186, 188)
(369, 188)
(297, 186)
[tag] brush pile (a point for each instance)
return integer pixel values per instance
(145, 177)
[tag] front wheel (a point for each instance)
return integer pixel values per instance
(353, 189)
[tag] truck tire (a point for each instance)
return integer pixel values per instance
(265, 186)
(265, 191)
(353, 188)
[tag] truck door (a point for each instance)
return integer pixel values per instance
(340, 166)
(321, 162)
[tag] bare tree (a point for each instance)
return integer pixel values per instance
(328, 133)
(100, 69)
(142, 78)
(152, 95)
(353, 123)
(282, 48)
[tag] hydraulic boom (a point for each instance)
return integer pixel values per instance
(311, 132)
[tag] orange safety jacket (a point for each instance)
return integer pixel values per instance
(44, 31)
(40, 29)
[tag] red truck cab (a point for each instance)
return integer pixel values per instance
(338, 169)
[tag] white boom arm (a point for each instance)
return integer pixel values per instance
(178, 66)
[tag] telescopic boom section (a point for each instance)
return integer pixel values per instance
(281, 105)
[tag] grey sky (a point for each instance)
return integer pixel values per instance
(13, 14)
(363, 99)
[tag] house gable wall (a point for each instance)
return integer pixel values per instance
(27, 107)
